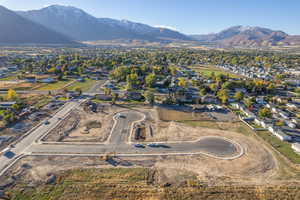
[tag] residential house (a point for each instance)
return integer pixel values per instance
(7, 105)
(296, 147)
(30, 79)
(210, 99)
(136, 96)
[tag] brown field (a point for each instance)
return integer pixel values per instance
(17, 85)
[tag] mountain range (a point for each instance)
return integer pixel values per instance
(81, 26)
(18, 30)
(249, 36)
(58, 24)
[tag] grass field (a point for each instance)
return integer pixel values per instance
(9, 78)
(55, 86)
(139, 184)
(84, 86)
(208, 69)
(283, 147)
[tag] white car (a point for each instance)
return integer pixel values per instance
(4, 151)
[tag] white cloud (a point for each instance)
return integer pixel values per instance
(168, 27)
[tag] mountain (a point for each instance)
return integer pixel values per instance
(82, 26)
(18, 30)
(249, 36)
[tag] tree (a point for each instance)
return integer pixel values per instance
(9, 117)
(78, 90)
(213, 87)
(149, 95)
(223, 95)
(173, 70)
(115, 97)
(297, 90)
(132, 81)
(264, 112)
(249, 102)
(239, 96)
(203, 92)
(16, 107)
(11, 94)
(107, 91)
(182, 82)
(150, 80)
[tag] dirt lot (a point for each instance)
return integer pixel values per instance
(192, 177)
(85, 126)
(259, 174)
(17, 85)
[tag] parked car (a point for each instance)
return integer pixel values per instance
(139, 145)
(46, 122)
(119, 115)
(153, 145)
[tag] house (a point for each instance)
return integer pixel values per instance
(136, 96)
(243, 90)
(48, 80)
(210, 99)
(283, 114)
(280, 134)
(260, 100)
(104, 97)
(291, 106)
(30, 79)
(291, 124)
(80, 79)
(296, 147)
(7, 105)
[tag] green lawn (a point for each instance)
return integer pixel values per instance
(283, 147)
(9, 78)
(207, 70)
(42, 102)
(55, 86)
(84, 86)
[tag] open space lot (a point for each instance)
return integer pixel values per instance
(55, 86)
(207, 70)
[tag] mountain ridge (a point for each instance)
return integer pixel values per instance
(18, 30)
(82, 26)
(253, 36)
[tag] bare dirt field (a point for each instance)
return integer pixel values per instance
(17, 85)
(261, 173)
(83, 126)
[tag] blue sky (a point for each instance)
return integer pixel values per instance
(187, 16)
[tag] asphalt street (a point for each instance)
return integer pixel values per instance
(118, 141)
(34, 135)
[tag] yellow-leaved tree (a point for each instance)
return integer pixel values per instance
(11, 94)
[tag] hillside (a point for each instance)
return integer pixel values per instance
(18, 30)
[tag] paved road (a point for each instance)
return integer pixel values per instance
(34, 135)
(122, 127)
(213, 146)
(118, 142)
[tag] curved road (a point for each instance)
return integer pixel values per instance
(118, 142)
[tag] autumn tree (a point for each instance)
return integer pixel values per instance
(149, 95)
(182, 82)
(150, 80)
(223, 95)
(11, 94)
(264, 113)
(239, 96)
